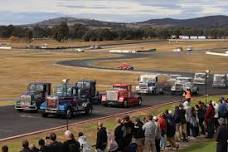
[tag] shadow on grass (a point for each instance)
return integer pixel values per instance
(201, 147)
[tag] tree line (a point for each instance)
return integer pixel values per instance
(78, 31)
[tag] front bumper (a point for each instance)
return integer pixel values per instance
(112, 103)
(26, 107)
(199, 82)
(53, 111)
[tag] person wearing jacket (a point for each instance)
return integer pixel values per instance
(119, 134)
(222, 136)
(200, 114)
(102, 138)
(209, 120)
(178, 124)
(129, 127)
(42, 146)
(163, 129)
(25, 145)
(53, 144)
(70, 145)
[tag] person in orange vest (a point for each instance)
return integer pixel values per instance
(187, 95)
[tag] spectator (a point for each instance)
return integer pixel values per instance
(200, 114)
(53, 144)
(102, 138)
(171, 129)
(33, 148)
(223, 109)
(84, 145)
(150, 132)
(194, 123)
(5, 148)
(129, 126)
(25, 145)
(209, 120)
(112, 144)
(70, 145)
(163, 128)
(43, 147)
(216, 107)
(222, 136)
(119, 134)
(138, 134)
(183, 123)
(157, 135)
(188, 116)
(177, 122)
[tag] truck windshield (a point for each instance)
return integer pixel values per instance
(219, 78)
(202, 76)
(83, 85)
(35, 87)
(63, 90)
(146, 79)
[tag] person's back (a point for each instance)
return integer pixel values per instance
(102, 139)
(54, 145)
(119, 134)
(25, 145)
(149, 129)
(222, 136)
(5, 148)
(70, 145)
(43, 147)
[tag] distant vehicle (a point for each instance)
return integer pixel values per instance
(79, 50)
(126, 66)
(121, 95)
(179, 49)
(189, 49)
(65, 102)
(220, 80)
(148, 84)
(200, 78)
(95, 47)
(179, 87)
(44, 46)
(173, 78)
(35, 95)
(87, 89)
(182, 84)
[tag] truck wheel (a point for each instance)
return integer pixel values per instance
(125, 103)
(44, 115)
(89, 111)
(69, 113)
(140, 102)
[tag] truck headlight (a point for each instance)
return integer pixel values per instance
(121, 99)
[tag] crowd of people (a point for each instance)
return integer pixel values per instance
(148, 134)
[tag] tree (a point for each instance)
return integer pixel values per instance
(61, 32)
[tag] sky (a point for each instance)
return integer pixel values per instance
(31, 11)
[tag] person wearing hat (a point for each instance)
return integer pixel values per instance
(222, 136)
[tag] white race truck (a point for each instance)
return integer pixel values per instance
(200, 78)
(220, 80)
(148, 84)
(182, 84)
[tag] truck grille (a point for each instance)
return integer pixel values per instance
(26, 100)
(112, 95)
(52, 103)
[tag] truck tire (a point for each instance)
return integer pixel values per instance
(125, 104)
(140, 102)
(89, 111)
(69, 113)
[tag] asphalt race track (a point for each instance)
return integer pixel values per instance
(14, 123)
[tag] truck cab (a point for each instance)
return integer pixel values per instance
(121, 95)
(148, 84)
(220, 80)
(200, 78)
(87, 89)
(35, 95)
(66, 101)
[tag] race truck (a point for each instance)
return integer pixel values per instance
(121, 95)
(182, 84)
(200, 78)
(220, 80)
(148, 84)
(87, 89)
(125, 66)
(34, 96)
(65, 102)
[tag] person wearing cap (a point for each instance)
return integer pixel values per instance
(53, 144)
(222, 136)
(70, 145)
